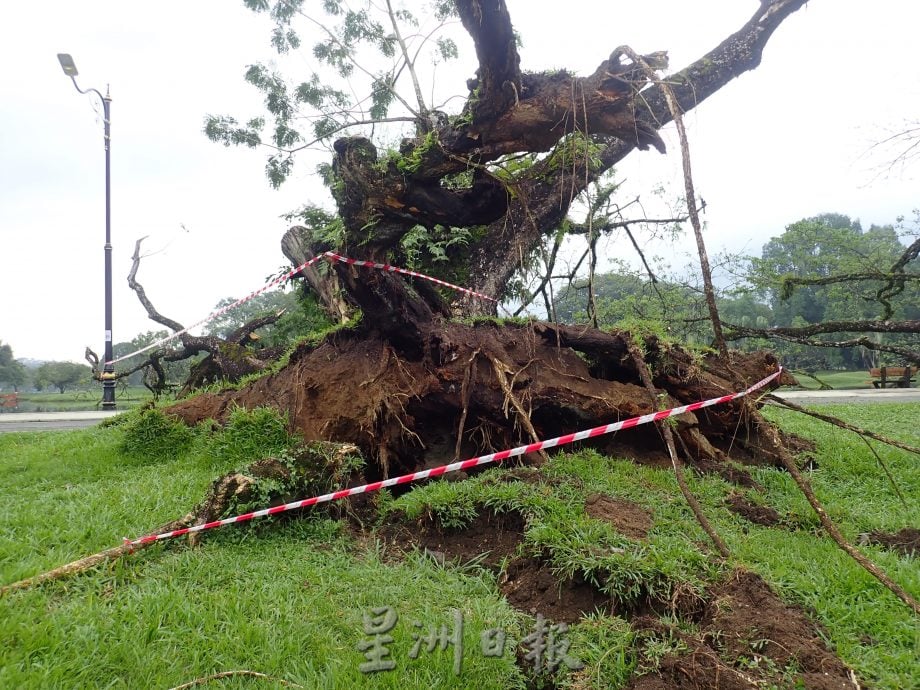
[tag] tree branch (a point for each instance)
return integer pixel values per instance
(499, 73)
(739, 53)
(907, 326)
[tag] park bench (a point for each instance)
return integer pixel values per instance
(897, 377)
(9, 402)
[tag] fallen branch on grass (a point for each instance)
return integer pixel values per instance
(84, 564)
(665, 429)
(835, 534)
(842, 424)
(233, 674)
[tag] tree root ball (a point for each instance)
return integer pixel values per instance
(479, 388)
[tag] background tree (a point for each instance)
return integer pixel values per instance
(826, 279)
(62, 375)
(12, 373)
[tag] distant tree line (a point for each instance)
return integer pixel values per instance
(821, 270)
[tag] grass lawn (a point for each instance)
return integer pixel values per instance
(838, 380)
(70, 401)
(291, 597)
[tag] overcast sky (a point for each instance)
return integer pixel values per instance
(786, 141)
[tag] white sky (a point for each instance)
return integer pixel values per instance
(785, 141)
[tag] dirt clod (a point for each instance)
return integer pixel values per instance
(748, 638)
(905, 542)
(627, 518)
(759, 515)
(529, 585)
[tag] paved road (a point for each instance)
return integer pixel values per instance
(50, 421)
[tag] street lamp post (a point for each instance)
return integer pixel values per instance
(108, 369)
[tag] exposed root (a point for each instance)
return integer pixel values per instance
(523, 416)
(675, 461)
(234, 674)
(465, 401)
(86, 563)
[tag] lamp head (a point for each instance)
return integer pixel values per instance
(67, 64)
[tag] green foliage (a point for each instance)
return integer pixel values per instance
(152, 435)
(61, 375)
(327, 231)
(250, 435)
(301, 315)
(575, 149)
(314, 468)
(513, 165)
(12, 372)
(412, 161)
(349, 89)
(223, 129)
(423, 246)
(823, 246)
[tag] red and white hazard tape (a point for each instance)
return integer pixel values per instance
(395, 269)
(329, 256)
(464, 465)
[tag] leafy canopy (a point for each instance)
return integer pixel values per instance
(361, 62)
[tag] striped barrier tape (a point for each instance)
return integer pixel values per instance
(395, 269)
(463, 465)
(329, 256)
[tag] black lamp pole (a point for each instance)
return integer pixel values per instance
(108, 369)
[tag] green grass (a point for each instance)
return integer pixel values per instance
(286, 597)
(838, 380)
(73, 400)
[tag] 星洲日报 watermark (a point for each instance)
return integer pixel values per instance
(546, 646)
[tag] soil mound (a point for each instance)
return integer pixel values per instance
(627, 518)
(748, 638)
(487, 387)
(906, 541)
(759, 515)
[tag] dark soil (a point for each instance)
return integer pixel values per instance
(529, 585)
(748, 638)
(906, 541)
(627, 518)
(759, 515)
(404, 409)
(497, 535)
(730, 473)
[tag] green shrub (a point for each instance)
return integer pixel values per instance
(250, 435)
(153, 435)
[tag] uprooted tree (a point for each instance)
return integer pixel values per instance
(488, 188)
(483, 192)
